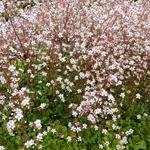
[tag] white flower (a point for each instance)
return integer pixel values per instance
(69, 138)
(2, 9)
(98, 111)
(82, 75)
(11, 125)
(84, 126)
(45, 133)
(44, 73)
(124, 140)
(118, 147)
(43, 105)
(39, 92)
(79, 91)
(57, 92)
(61, 96)
(114, 118)
(25, 102)
(60, 34)
(104, 131)
(111, 98)
(78, 129)
(53, 131)
(11, 68)
(28, 60)
(138, 116)
(106, 143)
(40, 147)
(101, 146)
(104, 92)
(29, 71)
(38, 124)
(129, 132)
(138, 96)
(39, 137)
(118, 136)
(79, 138)
(91, 118)
(74, 113)
(48, 129)
(113, 78)
(18, 114)
(48, 84)
(32, 76)
(76, 77)
(2, 100)
(69, 124)
(96, 128)
(2, 148)
(2, 80)
(29, 143)
(122, 95)
(114, 126)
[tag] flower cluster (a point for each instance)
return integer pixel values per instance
(69, 57)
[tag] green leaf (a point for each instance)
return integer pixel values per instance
(140, 145)
(18, 140)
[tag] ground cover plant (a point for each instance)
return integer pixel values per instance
(75, 75)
